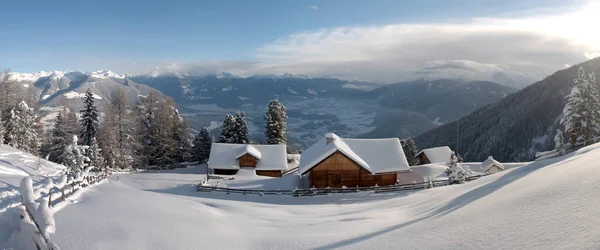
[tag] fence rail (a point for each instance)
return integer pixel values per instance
(325, 191)
(36, 204)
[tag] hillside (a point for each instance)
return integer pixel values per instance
(320, 105)
(516, 127)
(14, 165)
(418, 106)
(546, 204)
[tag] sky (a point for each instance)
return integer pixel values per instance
(380, 40)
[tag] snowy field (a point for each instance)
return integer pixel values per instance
(547, 204)
(14, 165)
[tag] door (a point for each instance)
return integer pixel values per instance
(334, 180)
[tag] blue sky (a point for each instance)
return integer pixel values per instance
(127, 35)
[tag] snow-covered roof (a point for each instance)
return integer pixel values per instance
(437, 155)
(374, 155)
(225, 156)
(489, 162)
(433, 170)
(251, 150)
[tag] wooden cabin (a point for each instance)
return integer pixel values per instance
(265, 160)
(491, 166)
(336, 162)
(434, 155)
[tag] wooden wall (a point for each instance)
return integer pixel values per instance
(247, 160)
(423, 159)
(338, 170)
(269, 173)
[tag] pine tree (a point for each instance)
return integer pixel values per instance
(74, 156)
(1, 129)
(241, 135)
(581, 115)
(89, 119)
(20, 132)
(158, 145)
(276, 123)
(559, 142)
(60, 137)
(96, 161)
(182, 138)
(202, 144)
(410, 151)
(456, 174)
(228, 130)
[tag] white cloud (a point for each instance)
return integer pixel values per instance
(531, 47)
(314, 7)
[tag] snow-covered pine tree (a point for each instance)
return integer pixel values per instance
(581, 114)
(202, 144)
(559, 142)
(228, 130)
(1, 129)
(20, 132)
(242, 135)
(74, 156)
(89, 119)
(60, 138)
(276, 123)
(456, 174)
(96, 161)
(410, 150)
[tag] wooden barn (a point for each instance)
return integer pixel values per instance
(337, 162)
(434, 155)
(491, 166)
(265, 160)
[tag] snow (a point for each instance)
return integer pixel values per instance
(438, 122)
(366, 152)
(213, 125)
(434, 170)
(543, 205)
(292, 91)
(437, 155)
(312, 92)
(106, 74)
(225, 156)
(45, 97)
(73, 95)
(14, 166)
(29, 77)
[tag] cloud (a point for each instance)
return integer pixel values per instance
(314, 7)
(526, 48)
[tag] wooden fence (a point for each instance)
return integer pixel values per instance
(326, 191)
(36, 208)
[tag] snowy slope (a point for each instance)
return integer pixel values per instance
(547, 204)
(14, 165)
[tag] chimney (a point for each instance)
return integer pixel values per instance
(329, 137)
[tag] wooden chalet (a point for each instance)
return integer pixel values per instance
(434, 155)
(491, 166)
(336, 162)
(266, 160)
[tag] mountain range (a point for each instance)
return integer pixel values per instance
(315, 105)
(516, 127)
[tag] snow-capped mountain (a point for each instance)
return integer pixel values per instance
(315, 105)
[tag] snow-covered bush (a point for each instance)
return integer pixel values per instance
(456, 174)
